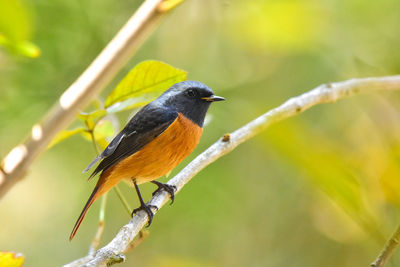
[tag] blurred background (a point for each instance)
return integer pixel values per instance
(319, 189)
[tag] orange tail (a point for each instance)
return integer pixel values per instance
(90, 201)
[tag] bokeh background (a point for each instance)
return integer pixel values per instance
(319, 189)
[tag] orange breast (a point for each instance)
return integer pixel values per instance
(159, 156)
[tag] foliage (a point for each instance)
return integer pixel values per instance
(141, 85)
(16, 28)
(149, 77)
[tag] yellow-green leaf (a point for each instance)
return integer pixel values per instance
(15, 20)
(168, 5)
(16, 28)
(24, 48)
(92, 118)
(27, 49)
(61, 136)
(132, 103)
(11, 259)
(147, 77)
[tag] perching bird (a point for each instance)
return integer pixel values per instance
(155, 140)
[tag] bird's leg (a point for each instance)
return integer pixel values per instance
(143, 206)
(170, 189)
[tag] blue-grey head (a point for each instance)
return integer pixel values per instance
(191, 98)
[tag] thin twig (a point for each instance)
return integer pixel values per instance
(388, 250)
(96, 77)
(326, 93)
(123, 200)
(96, 149)
(143, 234)
(101, 225)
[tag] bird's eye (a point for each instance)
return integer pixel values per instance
(191, 93)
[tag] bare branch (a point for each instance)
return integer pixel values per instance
(114, 56)
(326, 93)
(388, 250)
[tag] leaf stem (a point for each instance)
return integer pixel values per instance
(123, 199)
(91, 132)
(101, 225)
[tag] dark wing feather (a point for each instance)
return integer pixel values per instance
(146, 125)
(108, 151)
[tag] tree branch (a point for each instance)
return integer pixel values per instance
(100, 72)
(388, 249)
(326, 93)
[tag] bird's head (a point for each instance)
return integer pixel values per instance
(191, 98)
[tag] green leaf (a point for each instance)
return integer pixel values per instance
(61, 136)
(147, 77)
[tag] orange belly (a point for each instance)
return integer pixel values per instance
(159, 156)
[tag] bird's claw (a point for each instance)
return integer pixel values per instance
(147, 209)
(170, 189)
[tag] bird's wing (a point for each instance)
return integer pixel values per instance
(108, 150)
(144, 127)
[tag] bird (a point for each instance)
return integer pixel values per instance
(157, 138)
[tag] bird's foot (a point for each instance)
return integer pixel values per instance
(147, 209)
(170, 189)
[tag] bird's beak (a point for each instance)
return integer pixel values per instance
(213, 98)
